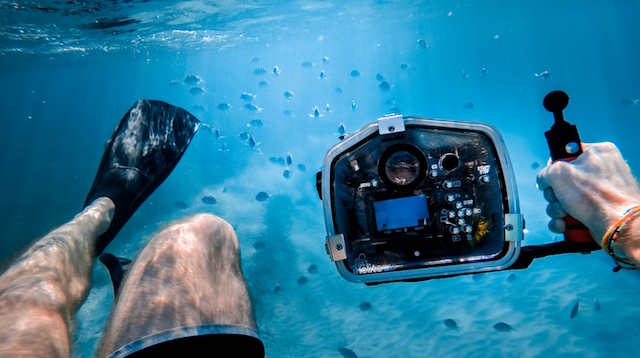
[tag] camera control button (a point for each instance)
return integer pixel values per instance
(454, 230)
(467, 228)
(447, 184)
(458, 205)
(460, 221)
(449, 198)
(433, 174)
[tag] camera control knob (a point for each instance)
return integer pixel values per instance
(447, 184)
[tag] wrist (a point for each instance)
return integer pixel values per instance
(627, 242)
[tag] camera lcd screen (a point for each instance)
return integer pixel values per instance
(401, 213)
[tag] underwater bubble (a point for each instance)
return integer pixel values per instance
(347, 353)
(180, 205)
(262, 196)
(365, 306)
(303, 280)
(355, 73)
(574, 310)
(503, 327)
(312, 269)
(449, 323)
(209, 200)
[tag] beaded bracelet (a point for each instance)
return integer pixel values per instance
(611, 235)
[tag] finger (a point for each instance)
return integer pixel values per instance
(555, 210)
(541, 179)
(550, 195)
(557, 226)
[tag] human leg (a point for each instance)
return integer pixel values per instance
(43, 289)
(188, 275)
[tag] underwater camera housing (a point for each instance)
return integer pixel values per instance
(414, 198)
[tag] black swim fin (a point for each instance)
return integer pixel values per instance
(145, 147)
(116, 267)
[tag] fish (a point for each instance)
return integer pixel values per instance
(422, 43)
(273, 160)
(404, 66)
(255, 60)
(259, 71)
(322, 75)
(365, 306)
(596, 304)
(287, 173)
(355, 73)
(223, 148)
(325, 59)
(483, 71)
(180, 205)
(289, 94)
(464, 75)
(263, 84)
(262, 196)
(384, 85)
(276, 71)
(574, 310)
(379, 76)
(301, 167)
(338, 90)
(216, 133)
(511, 278)
(302, 280)
(209, 200)
(312, 269)
(503, 327)
(628, 102)
(342, 129)
(468, 106)
(246, 96)
(307, 64)
(280, 160)
(327, 108)
(259, 245)
(535, 165)
(347, 353)
(175, 83)
(543, 75)
(477, 277)
(287, 113)
(353, 105)
(255, 123)
(315, 113)
(198, 108)
(191, 79)
(277, 288)
(252, 107)
(223, 106)
(243, 135)
(196, 90)
(289, 158)
(451, 324)
(394, 109)
(389, 102)
(252, 141)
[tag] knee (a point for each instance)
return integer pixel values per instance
(212, 230)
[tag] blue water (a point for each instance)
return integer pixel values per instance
(64, 88)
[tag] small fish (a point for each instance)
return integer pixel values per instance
(263, 84)
(216, 133)
(307, 64)
(259, 245)
(451, 324)
(365, 306)
(503, 327)
(347, 353)
(191, 79)
(252, 141)
(422, 43)
(629, 102)
(483, 71)
(175, 83)
(404, 66)
(289, 158)
(287, 173)
(302, 280)
(315, 113)
(289, 94)
(209, 200)
(322, 75)
(280, 160)
(325, 59)
(259, 71)
(255, 60)
(543, 75)
(384, 85)
(353, 105)
(342, 129)
(262, 196)
(379, 76)
(255, 123)
(196, 90)
(574, 310)
(246, 96)
(394, 109)
(243, 135)
(224, 106)
(535, 165)
(596, 304)
(301, 167)
(468, 106)
(338, 90)
(252, 107)
(273, 160)
(355, 73)
(511, 278)
(198, 108)
(277, 288)
(276, 71)
(223, 148)
(477, 277)
(464, 75)
(389, 102)
(327, 108)
(287, 113)
(312, 269)
(180, 205)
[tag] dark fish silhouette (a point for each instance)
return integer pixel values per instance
(262, 196)
(511, 278)
(263, 84)
(342, 129)
(105, 23)
(327, 108)
(365, 306)
(252, 107)
(468, 106)
(503, 327)
(255, 60)
(483, 71)
(477, 277)
(353, 105)
(535, 165)
(289, 94)
(322, 75)
(464, 75)
(628, 102)
(302, 280)
(596, 304)
(191, 79)
(543, 75)
(175, 83)
(574, 310)
(347, 353)
(280, 160)
(255, 123)
(209, 200)
(198, 108)
(355, 73)
(276, 71)
(394, 109)
(451, 324)
(325, 59)
(422, 43)
(259, 245)
(338, 89)
(277, 288)
(259, 71)
(301, 167)
(379, 76)
(252, 141)
(196, 90)
(384, 85)
(404, 66)
(223, 106)
(287, 173)
(273, 160)
(312, 269)
(287, 113)
(289, 158)
(246, 96)
(243, 135)
(180, 205)
(307, 64)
